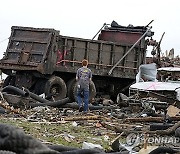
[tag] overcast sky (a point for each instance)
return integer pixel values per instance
(83, 18)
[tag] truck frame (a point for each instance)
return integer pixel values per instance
(43, 61)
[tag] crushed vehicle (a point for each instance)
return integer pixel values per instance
(44, 61)
(166, 87)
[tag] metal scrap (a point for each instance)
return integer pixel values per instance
(108, 119)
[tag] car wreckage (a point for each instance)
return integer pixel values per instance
(162, 83)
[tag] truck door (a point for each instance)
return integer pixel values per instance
(28, 47)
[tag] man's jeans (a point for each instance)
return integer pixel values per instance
(86, 99)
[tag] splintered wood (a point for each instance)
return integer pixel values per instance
(172, 111)
(168, 131)
(6, 106)
(119, 128)
(151, 119)
(79, 118)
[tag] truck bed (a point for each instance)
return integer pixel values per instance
(46, 51)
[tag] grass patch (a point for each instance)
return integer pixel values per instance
(62, 133)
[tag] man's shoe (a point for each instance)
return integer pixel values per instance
(85, 112)
(80, 109)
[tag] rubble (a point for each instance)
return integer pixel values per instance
(109, 123)
(39, 113)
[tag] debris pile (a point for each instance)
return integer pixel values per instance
(132, 124)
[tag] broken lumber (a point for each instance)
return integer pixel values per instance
(58, 103)
(168, 131)
(74, 105)
(118, 129)
(94, 117)
(151, 119)
(11, 109)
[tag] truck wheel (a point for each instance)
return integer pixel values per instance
(10, 80)
(6, 152)
(56, 88)
(72, 90)
(39, 86)
(92, 89)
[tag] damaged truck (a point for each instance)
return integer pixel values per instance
(44, 61)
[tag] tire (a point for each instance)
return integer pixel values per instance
(6, 152)
(92, 88)
(163, 150)
(15, 139)
(72, 90)
(56, 88)
(10, 80)
(39, 86)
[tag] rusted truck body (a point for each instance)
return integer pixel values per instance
(44, 61)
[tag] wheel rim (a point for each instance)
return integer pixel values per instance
(55, 90)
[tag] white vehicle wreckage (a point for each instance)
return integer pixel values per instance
(162, 82)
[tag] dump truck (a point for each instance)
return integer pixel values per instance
(44, 61)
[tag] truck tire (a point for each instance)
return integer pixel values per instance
(10, 80)
(16, 140)
(56, 88)
(92, 89)
(72, 90)
(39, 86)
(6, 152)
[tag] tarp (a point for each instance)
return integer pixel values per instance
(147, 72)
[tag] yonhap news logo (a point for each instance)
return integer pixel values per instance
(134, 139)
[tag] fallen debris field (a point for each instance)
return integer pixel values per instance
(108, 126)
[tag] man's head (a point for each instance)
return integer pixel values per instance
(84, 62)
